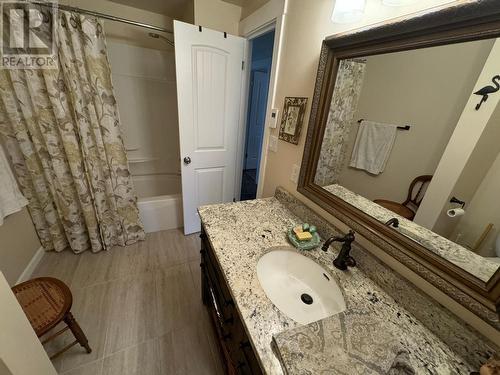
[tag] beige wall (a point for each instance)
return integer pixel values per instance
(18, 244)
(480, 161)
(189, 12)
(406, 88)
(217, 15)
(306, 25)
(4, 370)
(250, 6)
(482, 210)
(20, 350)
(467, 133)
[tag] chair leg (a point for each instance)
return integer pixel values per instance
(77, 331)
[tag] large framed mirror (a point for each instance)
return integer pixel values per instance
(404, 145)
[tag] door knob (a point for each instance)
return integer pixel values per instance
(187, 160)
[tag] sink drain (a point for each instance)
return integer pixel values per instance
(306, 298)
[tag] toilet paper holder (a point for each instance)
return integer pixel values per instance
(457, 201)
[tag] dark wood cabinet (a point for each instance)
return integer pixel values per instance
(235, 348)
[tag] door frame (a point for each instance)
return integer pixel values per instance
(269, 17)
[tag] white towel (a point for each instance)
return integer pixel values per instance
(373, 146)
(11, 199)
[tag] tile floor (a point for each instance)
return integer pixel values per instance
(140, 307)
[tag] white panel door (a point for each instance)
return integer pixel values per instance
(209, 84)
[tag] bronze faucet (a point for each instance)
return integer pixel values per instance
(394, 222)
(344, 259)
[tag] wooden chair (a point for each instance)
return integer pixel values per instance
(409, 207)
(47, 302)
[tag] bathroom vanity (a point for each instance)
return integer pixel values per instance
(257, 337)
(436, 147)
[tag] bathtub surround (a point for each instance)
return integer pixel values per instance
(161, 212)
(370, 309)
(340, 119)
(145, 89)
(121, 32)
(66, 147)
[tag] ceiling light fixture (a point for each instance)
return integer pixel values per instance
(348, 11)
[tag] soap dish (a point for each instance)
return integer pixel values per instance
(304, 245)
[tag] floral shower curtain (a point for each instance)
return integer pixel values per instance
(339, 124)
(62, 132)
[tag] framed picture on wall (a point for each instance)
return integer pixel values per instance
(292, 119)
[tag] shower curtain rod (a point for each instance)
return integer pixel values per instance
(102, 15)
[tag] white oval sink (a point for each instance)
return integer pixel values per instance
(298, 286)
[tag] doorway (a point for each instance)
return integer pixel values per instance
(260, 74)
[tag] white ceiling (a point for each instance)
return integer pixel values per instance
(171, 8)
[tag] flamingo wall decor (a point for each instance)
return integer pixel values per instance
(487, 90)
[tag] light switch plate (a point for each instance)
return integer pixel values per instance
(273, 120)
(273, 143)
(295, 173)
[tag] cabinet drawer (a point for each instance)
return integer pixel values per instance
(212, 269)
(224, 320)
(235, 348)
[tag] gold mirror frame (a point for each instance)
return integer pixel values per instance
(467, 21)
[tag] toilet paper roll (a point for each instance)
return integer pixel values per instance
(455, 212)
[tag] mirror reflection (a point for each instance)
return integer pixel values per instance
(414, 136)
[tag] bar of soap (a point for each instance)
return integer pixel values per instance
(305, 227)
(313, 229)
(304, 236)
(297, 229)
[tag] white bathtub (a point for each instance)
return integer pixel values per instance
(160, 201)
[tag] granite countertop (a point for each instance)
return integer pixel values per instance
(475, 264)
(363, 339)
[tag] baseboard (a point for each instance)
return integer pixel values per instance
(28, 271)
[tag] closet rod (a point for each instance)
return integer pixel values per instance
(102, 15)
